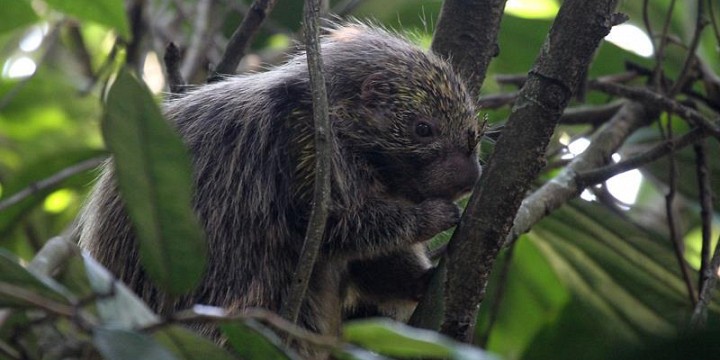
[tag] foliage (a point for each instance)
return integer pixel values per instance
(594, 279)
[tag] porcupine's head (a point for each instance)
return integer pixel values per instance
(408, 113)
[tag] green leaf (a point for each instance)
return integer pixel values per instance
(155, 179)
(401, 341)
(187, 345)
(117, 344)
(106, 12)
(17, 283)
(253, 341)
(531, 299)
(123, 309)
(625, 287)
(16, 14)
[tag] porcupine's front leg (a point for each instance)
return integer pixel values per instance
(379, 227)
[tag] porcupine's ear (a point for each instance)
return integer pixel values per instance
(376, 91)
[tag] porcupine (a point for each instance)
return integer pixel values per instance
(403, 139)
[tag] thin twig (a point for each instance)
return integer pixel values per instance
(80, 50)
(321, 198)
(104, 68)
(8, 351)
(18, 292)
(699, 315)
(660, 53)
(594, 115)
(598, 175)
(50, 182)
(713, 20)
(138, 26)
(663, 102)
(672, 225)
(268, 317)
(241, 39)
(648, 26)
(495, 101)
(565, 185)
(176, 82)
(706, 210)
(690, 59)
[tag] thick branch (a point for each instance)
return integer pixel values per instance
(241, 38)
(321, 197)
(466, 34)
(564, 187)
(519, 156)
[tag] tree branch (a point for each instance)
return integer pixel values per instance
(675, 238)
(519, 156)
(321, 198)
(50, 182)
(706, 210)
(700, 312)
(663, 102)
(241, 39)
(176, 82)
(565, 186)
(466, 34)
(587, 178)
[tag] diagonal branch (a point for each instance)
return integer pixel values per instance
(466, 34)
(565, 186)
(663, 102)
(518, 157)
(241, 38)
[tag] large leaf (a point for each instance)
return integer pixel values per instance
(15, 14)
(21, 288)
(187, 345)
(401, 341)
(117, 344)
(117, 305)
(624, 282)
(531, 298)
(106, 12)
(155, 179)
(253, 341)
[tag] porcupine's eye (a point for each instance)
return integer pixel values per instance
(423, 129)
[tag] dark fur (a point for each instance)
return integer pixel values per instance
(251, 138)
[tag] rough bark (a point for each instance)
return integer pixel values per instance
(466, 34)
(519, 155)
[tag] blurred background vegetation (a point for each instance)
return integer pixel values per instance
(594, 280)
